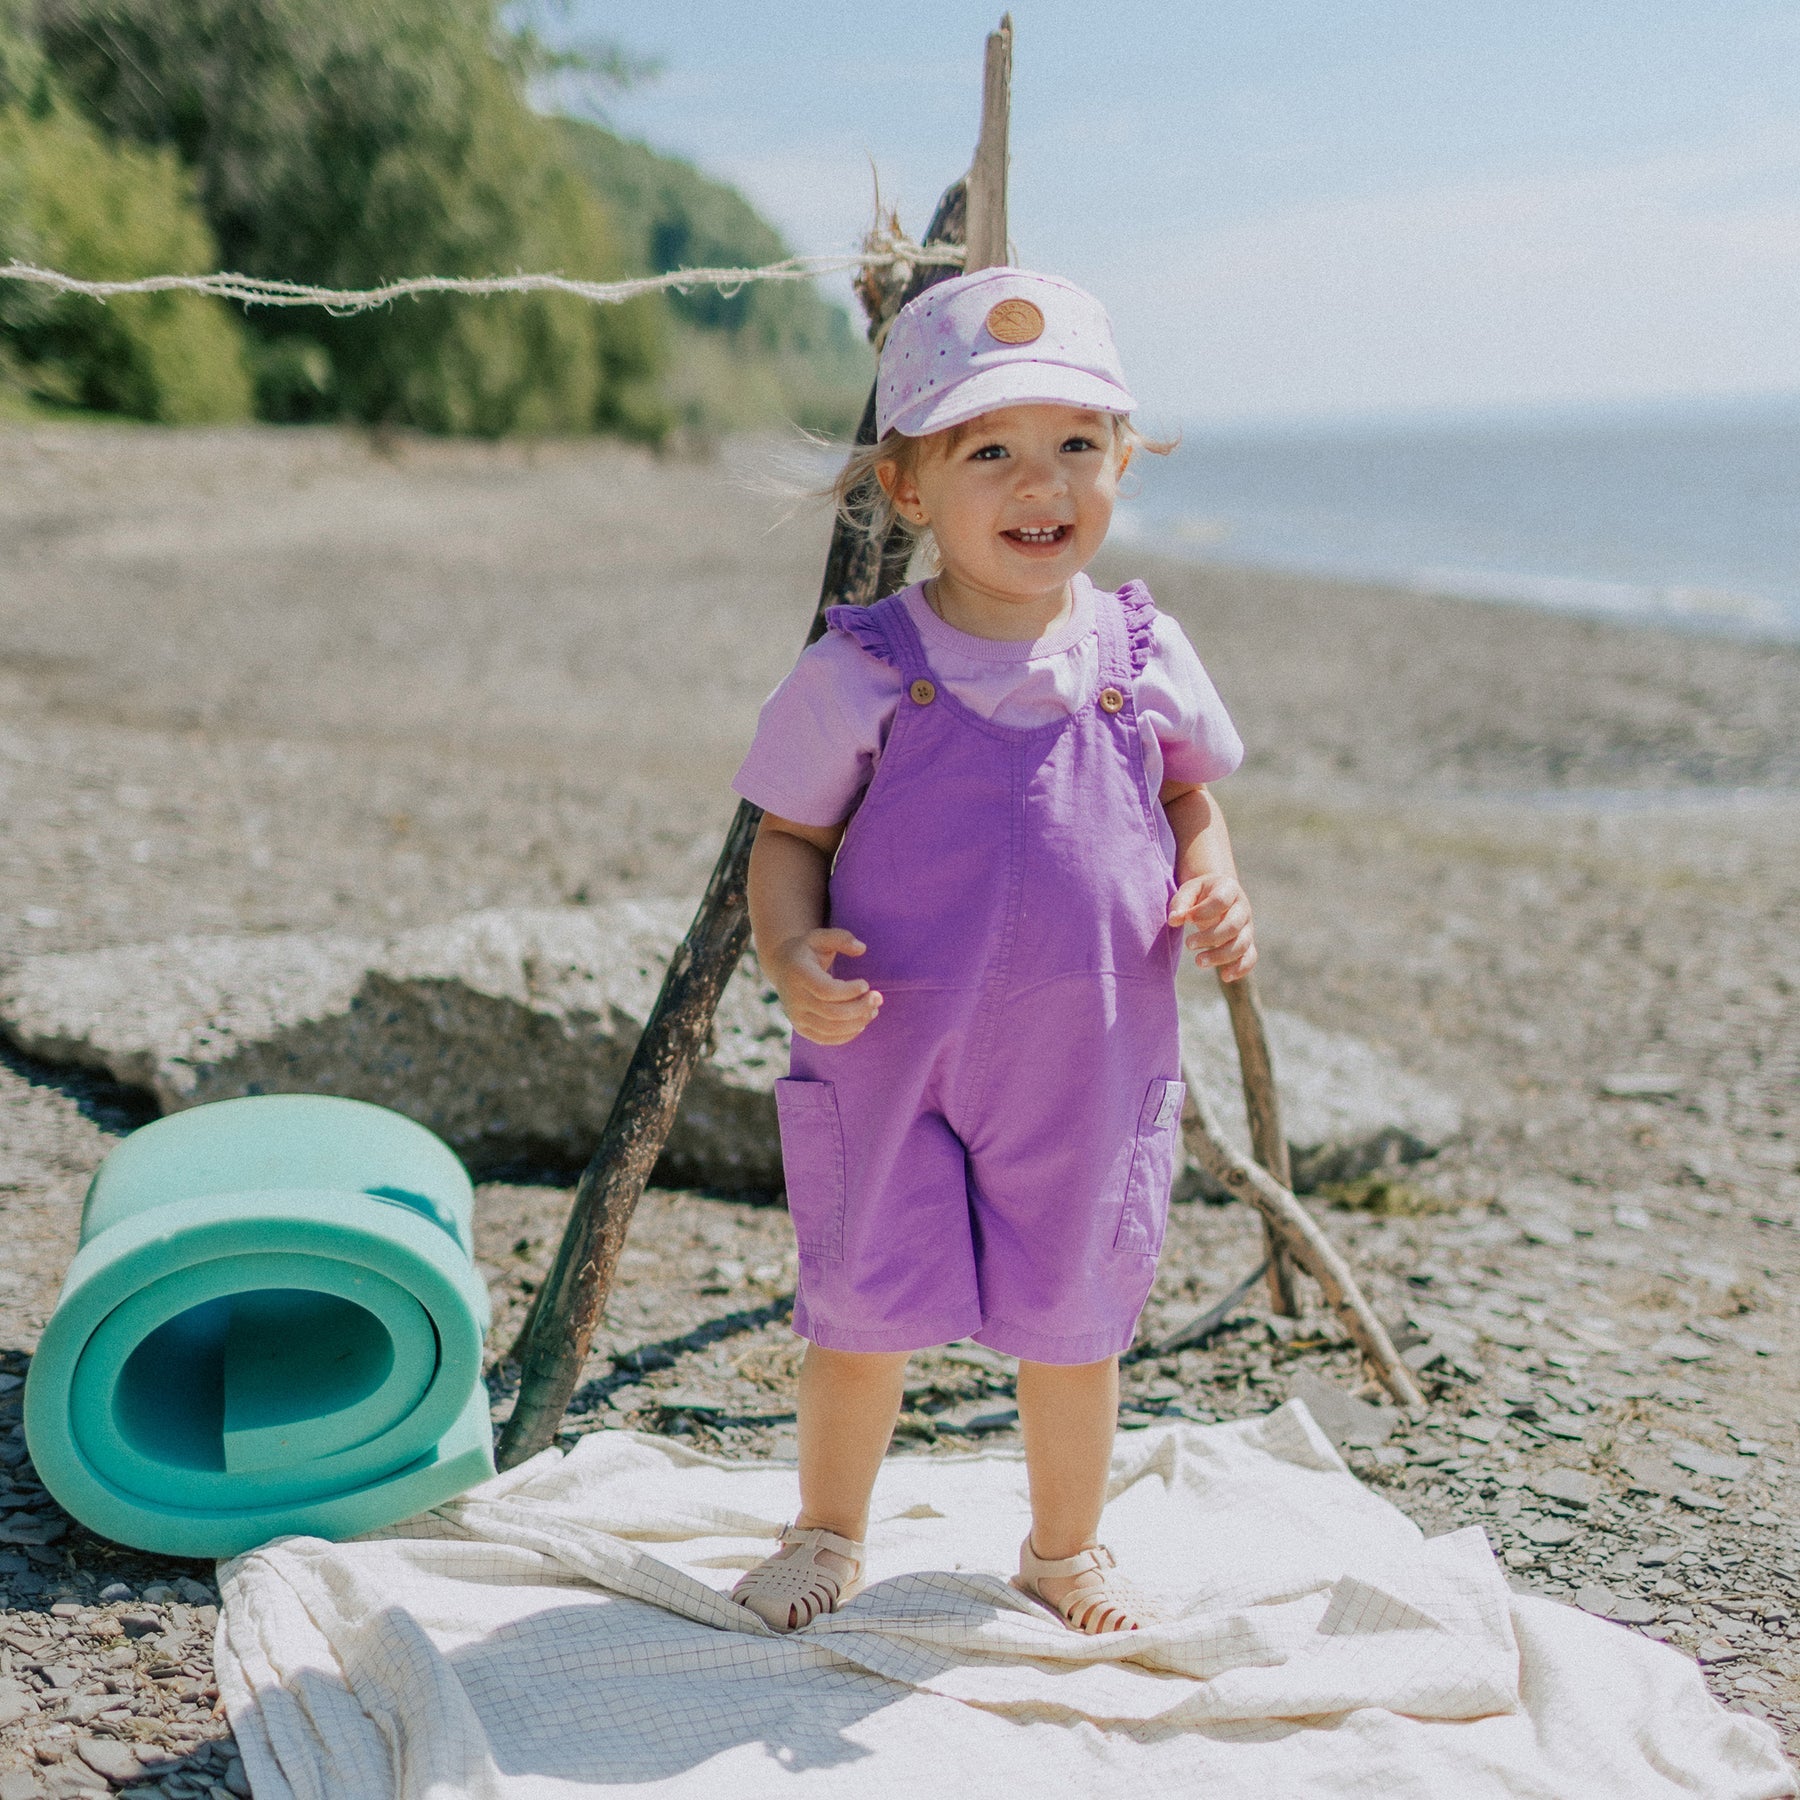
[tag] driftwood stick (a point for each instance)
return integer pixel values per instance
(1302, 1239)
(1196, 1331)
(1262, 1106)
(567, 1309)
(568, 1306)
(987, 242)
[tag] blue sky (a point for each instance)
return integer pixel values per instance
(1306, 208)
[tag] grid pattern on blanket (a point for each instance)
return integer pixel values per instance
(569, 1625)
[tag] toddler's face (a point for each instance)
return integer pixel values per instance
(1021, 501)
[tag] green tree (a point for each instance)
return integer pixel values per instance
(767, 351)
(101, 211)
(350, 142)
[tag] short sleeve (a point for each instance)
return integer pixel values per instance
(1178, 702)
(820, 733)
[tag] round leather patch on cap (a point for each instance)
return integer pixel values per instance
(1015, 322)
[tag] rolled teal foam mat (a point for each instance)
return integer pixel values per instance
(273, 1325)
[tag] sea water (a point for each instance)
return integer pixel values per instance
(1684, 515)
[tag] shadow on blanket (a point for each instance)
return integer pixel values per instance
(651, 1729)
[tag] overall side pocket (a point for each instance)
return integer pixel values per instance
(812, 1160)
(1145, 1215)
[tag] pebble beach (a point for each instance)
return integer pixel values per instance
(255, 680)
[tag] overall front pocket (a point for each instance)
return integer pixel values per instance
(1145, 1215)
(812, 1158)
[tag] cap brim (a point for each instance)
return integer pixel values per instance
(1011, 384)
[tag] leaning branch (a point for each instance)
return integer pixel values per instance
(1262, 1107)
(1299, 1234)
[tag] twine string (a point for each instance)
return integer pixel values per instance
(885, 249)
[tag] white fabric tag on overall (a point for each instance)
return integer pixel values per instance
(1170, 1110)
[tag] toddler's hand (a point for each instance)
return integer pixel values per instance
(822, 1008)
(1218, 911)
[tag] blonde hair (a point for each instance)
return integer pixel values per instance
(865, 505)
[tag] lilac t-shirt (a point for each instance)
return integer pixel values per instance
(822, 731)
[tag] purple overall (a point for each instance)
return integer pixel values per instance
(991, 1158)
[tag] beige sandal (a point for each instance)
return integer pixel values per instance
(1102, 1603)
(793, 1587)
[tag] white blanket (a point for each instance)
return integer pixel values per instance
(565, 1628)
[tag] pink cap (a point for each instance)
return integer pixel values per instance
(999, 337)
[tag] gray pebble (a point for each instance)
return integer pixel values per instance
(69, 1780)
(107, 1756)
(1571, 1485)
(1700, 1461)
(86, 1707)
(17, 1702)
(1695, 1501)
(1563, 1425)
(1549, 1532)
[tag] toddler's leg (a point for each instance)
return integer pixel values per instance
(848, 1404)
(849, 1401)
(1068, 1414)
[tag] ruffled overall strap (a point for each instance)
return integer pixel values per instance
(885, 630)
(1140, 624)
(1127, 622)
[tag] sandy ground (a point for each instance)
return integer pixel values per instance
(260, 680)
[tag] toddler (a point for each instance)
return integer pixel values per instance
(985, 824)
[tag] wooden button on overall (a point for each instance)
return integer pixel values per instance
(1111, 699)
(923, 692)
